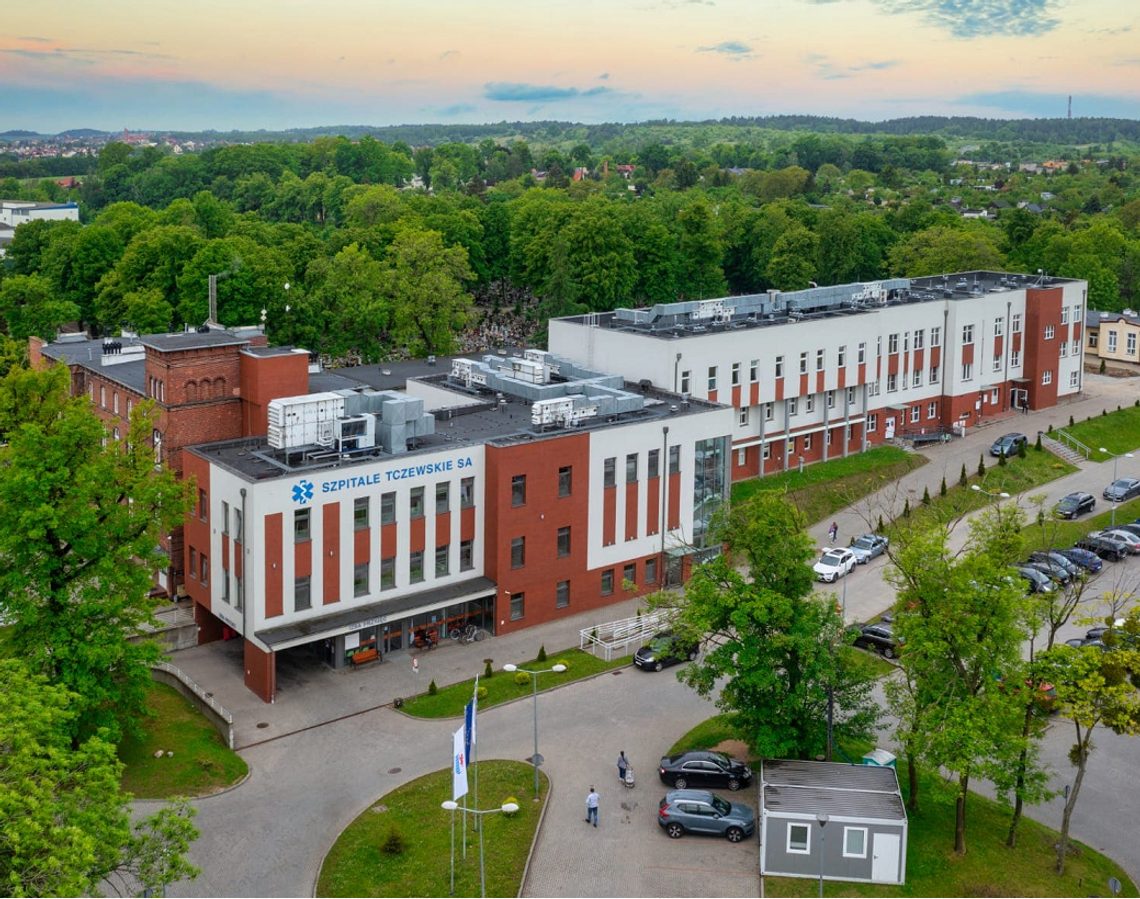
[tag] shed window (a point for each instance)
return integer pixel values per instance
(854, 842)
(799, 839)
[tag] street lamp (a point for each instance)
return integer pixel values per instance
(537, 759)
(1115, 456)
(822, 819)
(508, 808)
(1002, 495)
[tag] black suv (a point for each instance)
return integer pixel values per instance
(880, 637)
(704, 769)
(664, 649)
(1008, 444)
(1104, 546)
(1074, 504)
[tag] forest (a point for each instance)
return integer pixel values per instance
(368, 249)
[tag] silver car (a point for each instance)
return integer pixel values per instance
(699, 811)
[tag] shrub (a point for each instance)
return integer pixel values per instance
(1001, 461)
(481, 693)
(926, 496)
(1021, 451)
(942, 488)
(510, 800)
(981, 466)
(1071, 423)
(393, 843)
(562, 662)
(541, 653)
(906, 508)
(1103, 413)
(522, 678)
(1049, 430)
(1103, 367)
(880, 527)
(962, 479)
(1037, 446)
(432, 688)
(488, 671)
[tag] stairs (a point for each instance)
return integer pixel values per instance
(1063, 451)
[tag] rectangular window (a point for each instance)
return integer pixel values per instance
(742, 418)
(791, 444)
(799, 839)
(915, 414)
(466, 555)
(193, 563)
(873, 422)
(416, 567)
(741, 457)
(1093, 339)
(563, 542)
(1073, 379)
(1047, 377)
(803, 362)
(565, 480)
(906, 341)
(518, 490)
(997, 362)
(779, 366)
(115, 401)
(916, 379)
(130, 405)
(807, 442)
(686, 386)
(675, 459)
(651, 571)
(518, 606)
(831, 399)
(360, 513)
(416, 507)
(442, 497)
(562, 595)
(302, 594)
(754, 370)
(225, 587)
(735, 374)
(387, 508)
(653, 463)
(841, 358)
(203, 505)
(892, 383)
(301, 531)
(204, 569)
(766, 451)
(967, 371)
(609, 472)
(932, 410)
(631, 468)
(360, 579)
(919, 336)
(850, 395)
(809, 403)
(443, 560)
(819, 358)
(769, 411)
(1016, 327)
(1048, 332)
(1064, 315)
(629, 576)
(793, 406)
(239, 526)
(998, 327)
(935, 337)
(1015, 358)
(893, 344)
(103, 397)
(518, 552)
(854, 842)
(607, 582)
(712, 378)
(1065, 348)
(874, 388)
(827, 437)
(994, 394)
(1112, 341)
(862, 353)
(1129, 344)
(225, 517)
(388, 573)
(967, 335)
(467, 493)
(1076, 347)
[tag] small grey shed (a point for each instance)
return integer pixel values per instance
(849, 817)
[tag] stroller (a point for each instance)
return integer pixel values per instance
(628, 781)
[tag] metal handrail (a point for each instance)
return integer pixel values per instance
(1071, 440)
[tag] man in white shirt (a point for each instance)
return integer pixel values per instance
(592, 806)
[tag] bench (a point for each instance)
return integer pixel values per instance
(364, 657)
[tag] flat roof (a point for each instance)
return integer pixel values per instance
(190, 340)
(809, 788)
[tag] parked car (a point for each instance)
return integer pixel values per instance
(1074, 504)
(1051, 570)
(879, 637)
(1007, 444)
(1130, 540)
(834, 564)
(868, 547)
(662, 650)
(698, 768)
(1105, 546)
(1122, 489)
(1088, 560)
(1052, 557)
(1039, 581)
(699, 811)
(1082, 642)
(1132, 528)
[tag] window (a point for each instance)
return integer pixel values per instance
(1076, 347)
(466, 555)
(997, 362)
(916, 379)
(562, 595)
(239, 593)
(994, 396)
(360, 579)
(115, 401)
(791, 445)
(799, 839)
(103, 397)
(862, 353)
(203, 505)
(1064, 315)
(998, 323)
(967, 335)
(442, 497)
(1015, 358)
(629, 574)
(892, 383)
(1130, 343)
(915, 414)
(854, 842)
(467, 493)
(741, 457)
(793, 406)
(607, 582)
(919, 336)
(387, 508)
(1048, 332)
(1073, 379)
(518, 606)
(1093, 339)
(225, 517)
(1015, 328)
(742, 418)
(686, 379)
(874, 388)
(416, 567)
(712, 378)
(769, 411)
(675, 459)
(967, 371)
(225, 587)
(906, 341)
(766, 451)
(850, 395)
(819, 360)
(807, 442)
(388, 573)
(443, 560)
(653, 463)
(651, 571)
(1076, 313)
(360, 513)
(735, 374)
(935, 337)
(518, 490)
(565, 480)
(518, 552)
(873, 422)
(809, 403)
(1047, 377)
(130, 405)
(841, 358)
(754, 370)
(803, 362)
(417, 503)
(1065, 348)
(563, 542)
(239, 526)
(827, 437)
(302, 594)
(204, 568)
(631, 468)
(609, 472)
(1112, 341)
(932, 410)
(779, 366)
(301, 531)
(193, 563)
(893, 344)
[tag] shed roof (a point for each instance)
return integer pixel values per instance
(855, 791)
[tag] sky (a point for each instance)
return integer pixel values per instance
(277, 64)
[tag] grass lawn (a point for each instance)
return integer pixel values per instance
(1061, 534)
(1117, 432)
(201, 764)
(825, 488)
(449, 701)
(870, 662)
(357, 865)
(709, 733)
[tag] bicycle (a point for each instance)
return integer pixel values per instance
(469, 634)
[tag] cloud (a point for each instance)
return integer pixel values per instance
(457, 109)
(875, 66)
(1121, 29)
(969, 19)
(37, 40)
(514, 92)
(84, 56)
(604, 76)
(734, 49)
(826, 69)
(1029, 104)
(597, 91)
(448, 54)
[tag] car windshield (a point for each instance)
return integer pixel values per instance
(864, 543)
(1068, 502)
(722, 806)
(830, 558)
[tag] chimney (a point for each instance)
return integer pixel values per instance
(213, 318)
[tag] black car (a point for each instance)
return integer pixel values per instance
(1039, 581)
(1122, 489)
(879, 637)
(1054, 558)
(1008, 444)
(1074, 504)
(662, 650)
(1089, 561)
(1050, 569)
(1104, 546)
(698, 768)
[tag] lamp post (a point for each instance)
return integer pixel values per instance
(1115, 457)
(822, 819)
(537, 759)
(451, 806)
(1002, 495)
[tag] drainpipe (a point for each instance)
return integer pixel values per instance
(676, 368)
(663, 473)
(1005, 352)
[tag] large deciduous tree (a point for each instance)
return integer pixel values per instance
(937, 250)
(424, 283)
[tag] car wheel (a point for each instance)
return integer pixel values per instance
(680, 783)
(658, 667)
(676, 831)
(734, 783)
(734, 834)
(888, 652)
(692, 654)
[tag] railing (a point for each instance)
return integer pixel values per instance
(621, 634)
(1072, 441)
(217, 714)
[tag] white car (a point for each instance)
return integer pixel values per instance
(834, 564)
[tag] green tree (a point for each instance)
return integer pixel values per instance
(939, 249)
(600, 257)
(699, 274)
(352, 309)
(79, 559)
(154, 259)
(424, 282)
(66, 824)
(249, 277)
(30, 307)
(792, 265)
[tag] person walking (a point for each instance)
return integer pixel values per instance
(592, 806)
(833, 531)
(622, 764)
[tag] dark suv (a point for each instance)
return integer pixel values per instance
(1074, 504)
(1104, 546)
(664, 649)
(879, 637)
(704, 769)
(1008, 444)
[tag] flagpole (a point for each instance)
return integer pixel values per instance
(474, 746)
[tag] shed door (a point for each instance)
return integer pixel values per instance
(885, 858)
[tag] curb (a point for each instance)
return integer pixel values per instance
(537, 831)
(248, 774)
